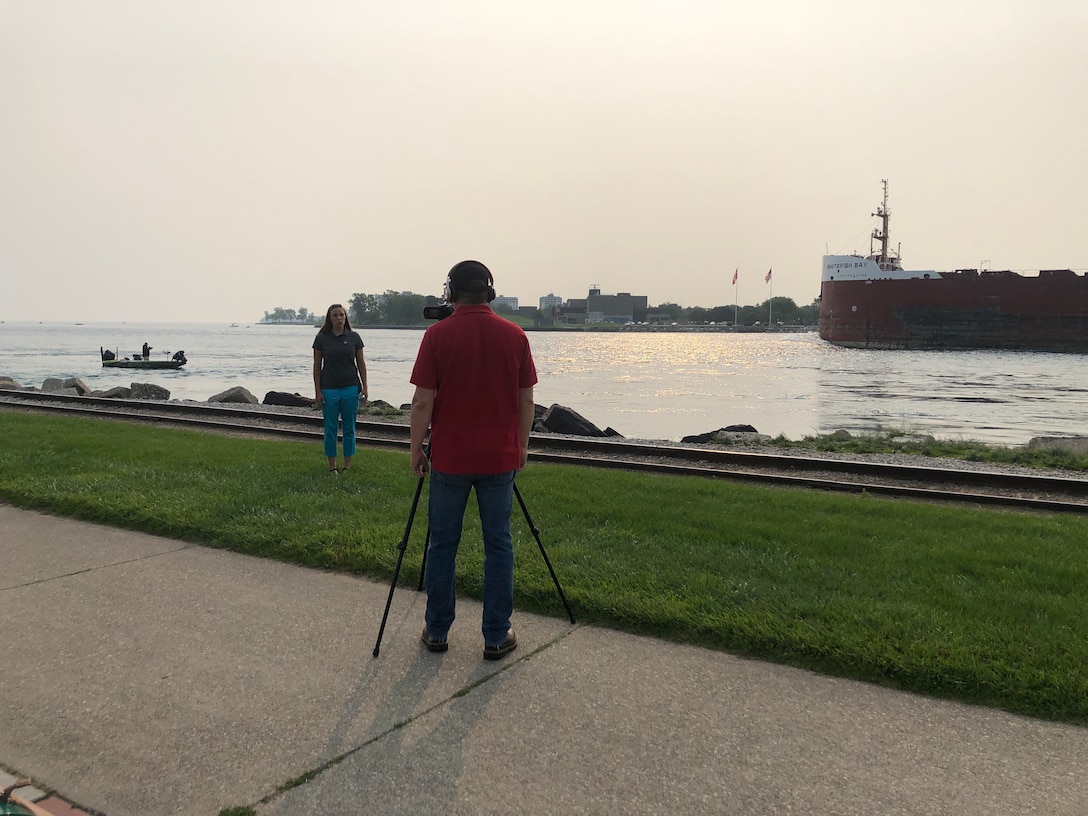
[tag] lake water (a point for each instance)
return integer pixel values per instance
(645, 385)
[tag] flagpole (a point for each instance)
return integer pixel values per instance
(736, 296)
(770, 300)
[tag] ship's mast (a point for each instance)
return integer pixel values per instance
(881, 233)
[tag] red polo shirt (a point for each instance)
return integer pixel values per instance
(477, 363)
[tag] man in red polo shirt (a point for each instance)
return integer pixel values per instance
(474, 377)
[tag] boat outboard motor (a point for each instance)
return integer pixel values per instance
(108, 355)
(180, 356)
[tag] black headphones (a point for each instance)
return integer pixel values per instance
(450, 292)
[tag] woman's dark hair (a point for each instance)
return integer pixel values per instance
(326, 327)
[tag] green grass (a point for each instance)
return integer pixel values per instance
(978, 605)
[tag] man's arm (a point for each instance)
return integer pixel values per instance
(526, 415)
(422, 407)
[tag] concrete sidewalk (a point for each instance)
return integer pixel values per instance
(143, 676)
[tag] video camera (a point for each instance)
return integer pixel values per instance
(437, 312)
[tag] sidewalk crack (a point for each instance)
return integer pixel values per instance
(95, 568)
(315, 772)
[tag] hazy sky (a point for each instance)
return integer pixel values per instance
(175, 160)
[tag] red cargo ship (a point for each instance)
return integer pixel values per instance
(872, 302)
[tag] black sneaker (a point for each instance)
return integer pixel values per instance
(433, 644)
(503, 649)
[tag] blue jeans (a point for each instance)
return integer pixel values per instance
(340, 404)
(447, 501)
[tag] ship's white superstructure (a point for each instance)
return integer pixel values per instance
(857, 268)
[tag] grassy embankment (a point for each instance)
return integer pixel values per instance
(978, 605)
(903, 441)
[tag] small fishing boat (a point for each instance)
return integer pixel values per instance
(111, 359)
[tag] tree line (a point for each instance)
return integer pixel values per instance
(406, 309)
(282, 315)
(390, 308)
(773, 310)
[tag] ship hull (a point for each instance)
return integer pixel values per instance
(991, 310)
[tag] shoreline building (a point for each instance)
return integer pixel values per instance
(504, 303)
(621, 308)
(549, 303)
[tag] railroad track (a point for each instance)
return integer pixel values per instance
(987, 487)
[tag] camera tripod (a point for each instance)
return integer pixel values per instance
(403, 545)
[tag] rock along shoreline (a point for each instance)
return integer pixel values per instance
(553, 419)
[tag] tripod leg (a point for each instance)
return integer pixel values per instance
(536, 535)
(400, 557)
(423, 566)
(427, 538)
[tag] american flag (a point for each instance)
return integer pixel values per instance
(735, 272)
(767, 277)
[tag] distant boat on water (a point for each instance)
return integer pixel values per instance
(110, 359)
(872, 302)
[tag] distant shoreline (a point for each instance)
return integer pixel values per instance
(682, 327)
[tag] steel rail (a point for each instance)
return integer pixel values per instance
(779, 480)
(706, 463)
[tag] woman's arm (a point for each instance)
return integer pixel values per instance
(317, 378)
(360, 361)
